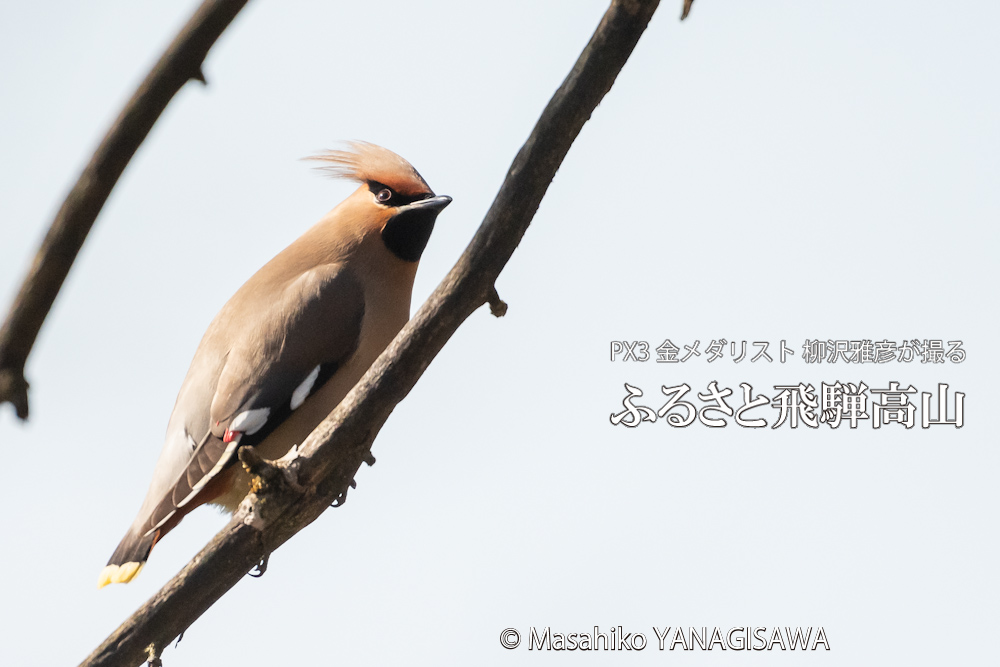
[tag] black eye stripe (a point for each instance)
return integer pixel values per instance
(396, 199)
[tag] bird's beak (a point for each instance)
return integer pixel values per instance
(434, 203)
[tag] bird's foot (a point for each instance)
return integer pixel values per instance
(267, 471)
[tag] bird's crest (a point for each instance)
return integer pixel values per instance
(365, 162)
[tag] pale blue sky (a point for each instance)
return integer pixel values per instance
(771, 171)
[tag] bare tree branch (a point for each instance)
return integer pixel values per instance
(180, 62)
(293, 491)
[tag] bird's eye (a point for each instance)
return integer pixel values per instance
(385, 194)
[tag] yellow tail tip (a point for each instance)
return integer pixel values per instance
(119, 574)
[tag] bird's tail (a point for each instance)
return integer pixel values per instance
(128, 558)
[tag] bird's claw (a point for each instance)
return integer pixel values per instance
(342, 498)
(260, 567)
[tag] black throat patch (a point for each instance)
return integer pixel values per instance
(407, 233)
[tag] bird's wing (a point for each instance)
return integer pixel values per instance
(283, 351)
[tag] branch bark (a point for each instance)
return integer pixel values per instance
(181, 62)
(295, 490)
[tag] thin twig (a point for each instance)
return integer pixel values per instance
(181, 62)
(498, 307)
(327, 461)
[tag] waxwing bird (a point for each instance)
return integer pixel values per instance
(290, 344)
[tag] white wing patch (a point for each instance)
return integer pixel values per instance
(301, 392)
(251, 421)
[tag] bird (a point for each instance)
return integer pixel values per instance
(290, 343)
